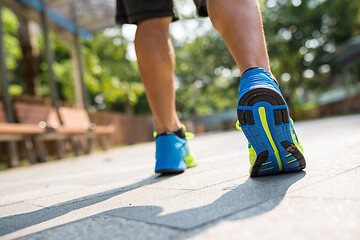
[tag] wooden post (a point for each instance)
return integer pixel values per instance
(30, 54)
(29, 146)
(43, 154)
(78, 56)
(85, 94)
(81, 69)
(77, 75)
(79, 79)
(49, 57)
(4, 84)
(78, 70)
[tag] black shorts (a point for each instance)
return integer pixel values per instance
(133, 11)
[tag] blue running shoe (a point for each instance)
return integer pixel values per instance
(264, 119)
(173, 154)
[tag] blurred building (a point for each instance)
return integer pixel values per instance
(343, 94)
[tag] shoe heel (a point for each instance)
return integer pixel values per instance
(264, 119)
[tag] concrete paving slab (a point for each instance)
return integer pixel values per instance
(135, 193)
(87, 192)
(292, 218)
(105, 227)
(208, 145)
(196, 208)
(344, 186)
(77, 209)
(116, 195)
(17, 208)
(192, 180)
(31, 192)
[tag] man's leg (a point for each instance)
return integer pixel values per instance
(156, 61)
(262, 110)
(239, 23)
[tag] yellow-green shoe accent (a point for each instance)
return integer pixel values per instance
(252, 156)
(294, 137)
(262, 114)
(190, 160)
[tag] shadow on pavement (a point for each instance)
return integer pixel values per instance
(254, 197)
(17, 222)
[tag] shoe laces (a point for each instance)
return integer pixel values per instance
(188, 135)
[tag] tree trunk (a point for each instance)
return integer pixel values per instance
(30, 55)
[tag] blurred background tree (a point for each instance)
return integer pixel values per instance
(206, 76)
(299, 34)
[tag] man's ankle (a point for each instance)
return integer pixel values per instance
(162, 128)
(179, 133)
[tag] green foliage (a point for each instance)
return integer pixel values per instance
(206, 76)
(299, 34)
(112, 79)
(12, 50)
(11, 41)
(63, 73)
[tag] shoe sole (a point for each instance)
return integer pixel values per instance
(264, 119)
(169, 171)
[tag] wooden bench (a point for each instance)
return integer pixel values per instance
(79, 119)
(47, 116)
(75, 126)
(20, 132)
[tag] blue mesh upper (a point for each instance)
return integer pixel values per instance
(255, 78)
(170, 152)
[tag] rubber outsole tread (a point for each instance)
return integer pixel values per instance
(241, 117)
(261, 94)
(169, 171)
(291, 148)
(249, 118)
(261, 158)
(281, 116)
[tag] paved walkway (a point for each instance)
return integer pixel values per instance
(115, 195)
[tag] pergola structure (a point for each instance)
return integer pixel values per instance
(345, 75)
(347, 59)
(71, 20)
(347, 53)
